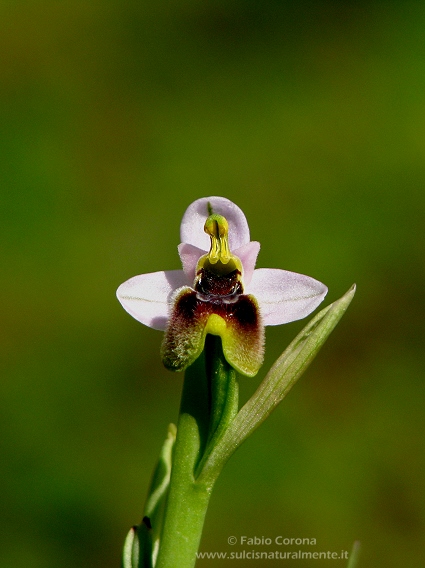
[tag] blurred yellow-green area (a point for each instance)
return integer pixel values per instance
(114, 117)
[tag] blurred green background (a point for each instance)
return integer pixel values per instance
(114, 117)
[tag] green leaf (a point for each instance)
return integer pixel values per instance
(137, 551)
(223, 393)
(354, 556)
(277, 383)
(130, 553)
(161, 476)
(142, 542)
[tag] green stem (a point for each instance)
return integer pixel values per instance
(209, 403)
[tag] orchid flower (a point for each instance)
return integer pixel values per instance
(218, 304)
(218, 291)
